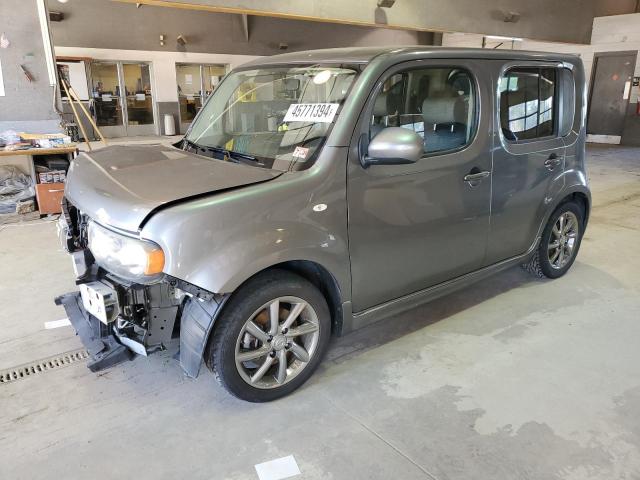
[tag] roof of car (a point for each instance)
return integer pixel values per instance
(366, 54)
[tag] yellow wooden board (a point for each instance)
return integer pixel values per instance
(70, 148)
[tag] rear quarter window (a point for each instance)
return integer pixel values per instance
(528, 103)
(567, 112)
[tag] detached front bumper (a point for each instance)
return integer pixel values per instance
(114, 317)
(104, 349)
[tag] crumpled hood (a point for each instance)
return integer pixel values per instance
(121, 185)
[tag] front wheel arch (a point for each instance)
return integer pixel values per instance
(271, 283)
(320, 277)
(198, 321)
(324, 281)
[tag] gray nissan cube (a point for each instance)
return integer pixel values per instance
(318, 192)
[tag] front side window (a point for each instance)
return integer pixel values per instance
(436, 103)
(272, 117)
(527, 103)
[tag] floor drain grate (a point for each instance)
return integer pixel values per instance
(40, 366)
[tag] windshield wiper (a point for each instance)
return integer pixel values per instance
(237, 156)
(227, 154)
(189, 143)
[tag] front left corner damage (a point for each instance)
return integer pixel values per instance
(103, 349)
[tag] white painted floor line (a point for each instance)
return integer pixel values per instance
(63, 322)
(278, 469)
(30, 223)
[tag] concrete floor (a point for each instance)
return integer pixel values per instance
(513, 378)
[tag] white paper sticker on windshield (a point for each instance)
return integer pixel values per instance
(300, 152)
(311, 112)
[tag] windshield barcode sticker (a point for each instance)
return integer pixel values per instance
(311, 112)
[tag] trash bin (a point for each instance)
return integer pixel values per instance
(169, 125)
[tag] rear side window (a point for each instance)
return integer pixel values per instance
(439, 104)
(528, 103)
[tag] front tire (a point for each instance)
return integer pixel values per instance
(559, 243)
(271, 336)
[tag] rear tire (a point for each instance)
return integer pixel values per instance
(248, 347)
(560, 242)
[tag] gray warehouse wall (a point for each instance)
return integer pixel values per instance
(105, 24)
(551, 20)
(25, 106)
(615, 7)
(631, 133)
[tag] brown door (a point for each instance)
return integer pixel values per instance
(610, 89)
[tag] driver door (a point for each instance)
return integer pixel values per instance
(417, 225)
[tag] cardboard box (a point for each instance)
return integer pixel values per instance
(53, 176)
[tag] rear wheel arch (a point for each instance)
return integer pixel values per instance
(577, 196)
(581, 199)
(565, 243)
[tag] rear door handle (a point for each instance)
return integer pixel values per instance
(552, 162)
(476, 176)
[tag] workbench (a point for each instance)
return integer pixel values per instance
(48, 195)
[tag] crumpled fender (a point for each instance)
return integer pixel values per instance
(197, 320)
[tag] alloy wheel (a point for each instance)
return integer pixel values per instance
(563, 240)
(277, 342)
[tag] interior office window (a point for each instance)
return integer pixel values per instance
(105, 90)
(436, 103)
(196, 83)
(211, 76)
(137, 84)
(527, 103)
(189, 91)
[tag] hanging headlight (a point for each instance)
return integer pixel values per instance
(127, 257)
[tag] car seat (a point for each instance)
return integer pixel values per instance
(445, 122)
(380, 113)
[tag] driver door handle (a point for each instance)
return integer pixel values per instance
(476, 176)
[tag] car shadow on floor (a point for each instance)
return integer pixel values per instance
(392, 328)
(584, 281)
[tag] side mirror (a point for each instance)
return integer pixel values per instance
(393, 146)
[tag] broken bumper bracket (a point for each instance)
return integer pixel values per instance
(103, 348)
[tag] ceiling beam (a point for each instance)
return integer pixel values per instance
(549, 20)
(196, 5)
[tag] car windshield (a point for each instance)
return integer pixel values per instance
(271, 117)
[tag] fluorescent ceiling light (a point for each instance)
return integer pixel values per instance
(499, 37)
(46, 40)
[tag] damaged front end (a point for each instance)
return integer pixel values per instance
(117, 317)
